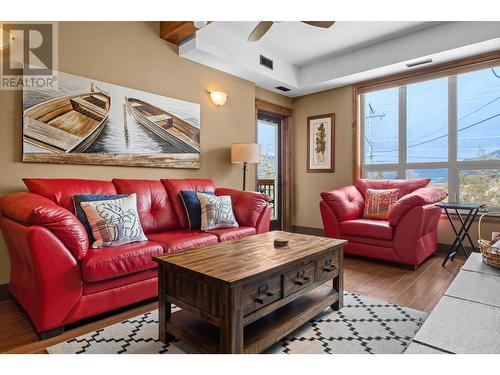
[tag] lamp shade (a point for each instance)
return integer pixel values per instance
(219, 98)
(245, 153)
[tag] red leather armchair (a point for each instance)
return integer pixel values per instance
(409, 235)
(58, 280)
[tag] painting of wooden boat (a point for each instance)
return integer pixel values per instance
(66, 124)
(170, 128)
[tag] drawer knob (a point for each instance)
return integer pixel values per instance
(302, 281)
(264, 298)
(329, 268)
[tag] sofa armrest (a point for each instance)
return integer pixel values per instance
(420, 197)
(249, 207)
(264, 221)
(44, 276)
(33, 209)
(347, 203)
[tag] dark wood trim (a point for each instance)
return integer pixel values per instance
(176, 31)
(270, 109)
(308, 230)
(356, 137)
(431, 72)
(4, 292)
(332, 144)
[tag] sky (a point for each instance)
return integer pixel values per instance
(478, 114)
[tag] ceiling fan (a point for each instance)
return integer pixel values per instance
(263, 27)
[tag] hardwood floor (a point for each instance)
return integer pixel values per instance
(420, 289)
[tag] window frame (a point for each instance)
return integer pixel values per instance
(453, 165)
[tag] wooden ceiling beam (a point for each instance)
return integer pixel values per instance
(176, 31)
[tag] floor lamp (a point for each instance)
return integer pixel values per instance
(246, 153)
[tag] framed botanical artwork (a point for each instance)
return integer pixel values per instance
(321, 143)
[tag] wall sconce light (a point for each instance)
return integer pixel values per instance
(219, 98)
(6, 40)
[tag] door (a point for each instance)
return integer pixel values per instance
(269, 174)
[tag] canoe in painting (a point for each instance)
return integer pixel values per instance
(170, 128)
(65, 124)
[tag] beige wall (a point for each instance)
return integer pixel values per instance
(308, 186)
(132, 54)
(273, 97)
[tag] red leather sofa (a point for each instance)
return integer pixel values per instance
(409, 235)
(58, 280)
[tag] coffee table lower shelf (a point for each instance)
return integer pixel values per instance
(260, 334)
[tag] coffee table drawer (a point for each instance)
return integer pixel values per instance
(298, 279)
(260, 293)
(328, 266)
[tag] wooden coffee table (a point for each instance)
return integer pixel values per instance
(244, 295)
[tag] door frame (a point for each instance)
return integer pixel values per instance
(286, 143)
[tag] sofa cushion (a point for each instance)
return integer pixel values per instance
(155, 209)
(380, 229)
(216, 212)
(346, 203)
(62, 190)
(174, 188)
(110, 262)
(227, 234)
(118, 282)
(183, 239)
(247, 205)
(404, 186)
(378, 203)
(193, 207)
(80, 214)
(114, 222)
(420, 197)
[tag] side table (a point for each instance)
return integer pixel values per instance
(462, 229)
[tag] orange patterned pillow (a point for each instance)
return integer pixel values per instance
(378, 202)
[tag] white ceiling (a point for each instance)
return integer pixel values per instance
(309, 59)
(301, 44)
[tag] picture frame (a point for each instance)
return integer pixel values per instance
(91, 122)
(321, 143)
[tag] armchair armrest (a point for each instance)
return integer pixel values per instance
(330, 223)
(33, 209)
(420, 197)
(250, 208)
(347, 203)
(415, 236)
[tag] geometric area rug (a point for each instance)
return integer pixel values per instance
(362, 326)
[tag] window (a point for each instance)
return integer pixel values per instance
(267, 169)
(446, 129)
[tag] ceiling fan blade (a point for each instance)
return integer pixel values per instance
(260, 30)
(323, 24)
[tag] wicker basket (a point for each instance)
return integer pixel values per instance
(491, 256)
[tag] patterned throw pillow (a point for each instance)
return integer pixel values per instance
(193, 207)
(216, 212)
(378, 202)
(114, 222)
(80, 214)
